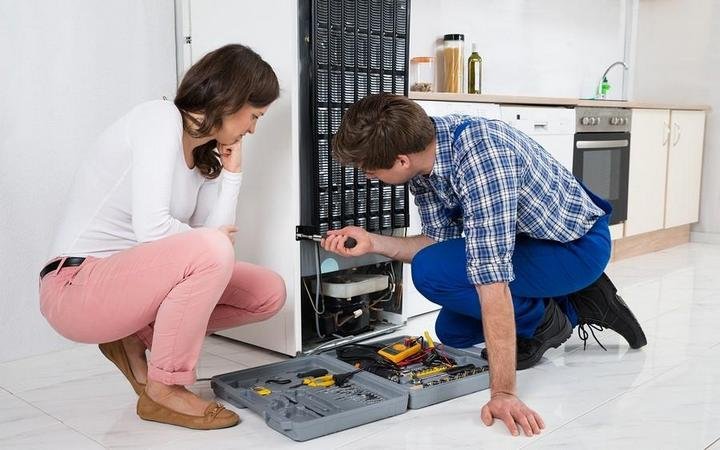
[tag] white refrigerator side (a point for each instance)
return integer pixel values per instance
(268, 208)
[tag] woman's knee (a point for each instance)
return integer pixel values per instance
(258, 289)
(276, 293)
(213, 247)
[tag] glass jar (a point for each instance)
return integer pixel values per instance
(453, 62)
(422, 74)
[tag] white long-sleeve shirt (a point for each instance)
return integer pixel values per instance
(135, 186)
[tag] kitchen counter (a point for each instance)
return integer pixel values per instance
(550, 101)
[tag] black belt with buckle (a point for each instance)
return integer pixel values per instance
(71, 261)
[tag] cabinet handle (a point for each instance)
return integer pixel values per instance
(677, 134)
(666, 133)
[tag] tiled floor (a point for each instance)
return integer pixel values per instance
(666, 395)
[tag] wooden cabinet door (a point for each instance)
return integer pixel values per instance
(687, 137)
(648, 164)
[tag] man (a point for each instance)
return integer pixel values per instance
(503, 223)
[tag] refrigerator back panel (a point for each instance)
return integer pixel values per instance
(356, 48)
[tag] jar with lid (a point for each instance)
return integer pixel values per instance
(454, 62)
(422, 74)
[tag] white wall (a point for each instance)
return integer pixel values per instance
(68, 70)
(678, 61)
(553, 48)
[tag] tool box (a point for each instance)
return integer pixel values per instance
(301, 399)
(304, 412)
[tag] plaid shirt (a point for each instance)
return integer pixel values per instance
(491, 182)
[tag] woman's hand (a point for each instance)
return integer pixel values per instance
(335, 241)
(513, 412)
(231, 156)
(229, 231)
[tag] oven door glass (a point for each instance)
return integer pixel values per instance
(601, 161)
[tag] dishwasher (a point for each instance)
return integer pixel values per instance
(551, 127)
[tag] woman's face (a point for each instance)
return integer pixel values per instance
(237, 125)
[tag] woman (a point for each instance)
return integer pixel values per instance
(144, 256)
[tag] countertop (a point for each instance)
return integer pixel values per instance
(550, 101)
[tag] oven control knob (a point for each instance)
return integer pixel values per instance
(615, 121)
(585, 121)
(623, 121)
(593, 121)
(598, 120)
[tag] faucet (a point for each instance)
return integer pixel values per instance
(598, 93)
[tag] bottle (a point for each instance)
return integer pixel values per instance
(604, 88)
(474, 72)
(453, 62)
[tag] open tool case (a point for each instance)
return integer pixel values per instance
(305, 412)
(302, 412)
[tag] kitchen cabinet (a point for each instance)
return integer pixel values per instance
(648, 167)
(687, 136)
(665, 167)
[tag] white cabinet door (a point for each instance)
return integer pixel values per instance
(684, 168)
(648, 165)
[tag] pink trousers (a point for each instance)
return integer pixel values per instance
(170, 293)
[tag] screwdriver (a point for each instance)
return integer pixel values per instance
(349, 242)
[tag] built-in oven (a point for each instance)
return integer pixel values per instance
(601, 155)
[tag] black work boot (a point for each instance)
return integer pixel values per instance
(554, 329)
(599, 306)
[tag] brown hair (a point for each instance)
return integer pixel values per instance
(378, 128)
(221, 83)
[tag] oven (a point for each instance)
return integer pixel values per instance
(601, 155)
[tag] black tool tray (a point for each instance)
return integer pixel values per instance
(427, 393)
(305, 412)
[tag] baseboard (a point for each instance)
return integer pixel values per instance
(706, 238)
(650, 242)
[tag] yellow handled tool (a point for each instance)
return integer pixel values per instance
(324, 381)
(261, 390)
(327, 380)
(429, 340)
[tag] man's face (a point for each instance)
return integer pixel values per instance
(399, 173)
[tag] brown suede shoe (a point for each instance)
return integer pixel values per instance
(115, 352)
(215, 417)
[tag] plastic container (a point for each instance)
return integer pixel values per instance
(421, 74)
(454, 62)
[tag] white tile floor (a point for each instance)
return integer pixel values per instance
(666, 395)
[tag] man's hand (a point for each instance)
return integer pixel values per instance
(231, 156)
(499, 329)
(335, 242)
(229, 231)
(513, 412)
